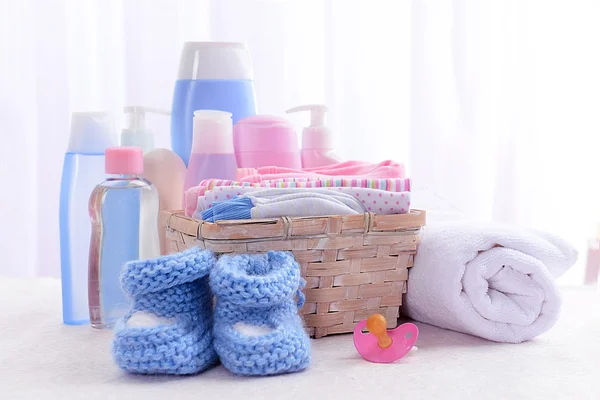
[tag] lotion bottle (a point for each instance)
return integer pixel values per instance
(317, 140)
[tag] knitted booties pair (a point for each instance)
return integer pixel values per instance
(257, 329)
(169, 328)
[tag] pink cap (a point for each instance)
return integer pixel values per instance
(124, 160)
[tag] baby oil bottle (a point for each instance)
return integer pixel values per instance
(212, 154)
(124, 214)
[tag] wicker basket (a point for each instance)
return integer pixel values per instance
(354, 265)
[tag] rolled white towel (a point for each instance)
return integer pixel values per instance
(492, 281)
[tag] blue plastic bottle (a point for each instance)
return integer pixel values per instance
(212, 76)
(83, 168)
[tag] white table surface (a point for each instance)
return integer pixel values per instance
(40, 358)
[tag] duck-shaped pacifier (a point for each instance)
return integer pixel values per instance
(381, 345)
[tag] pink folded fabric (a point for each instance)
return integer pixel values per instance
(346, 170)
(389, 185)
(390, 168)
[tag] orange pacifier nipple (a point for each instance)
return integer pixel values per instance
(377, 326)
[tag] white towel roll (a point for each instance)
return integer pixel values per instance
(492, 281)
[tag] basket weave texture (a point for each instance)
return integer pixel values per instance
(354, 265)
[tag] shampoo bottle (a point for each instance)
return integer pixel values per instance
(317, 140)
(124, 214)
(212, 148)
(212, 76)
(91, 133)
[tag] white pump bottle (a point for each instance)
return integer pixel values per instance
(163, 167)
(136, 134)
(317, 140)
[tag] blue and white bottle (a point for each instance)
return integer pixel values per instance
(212, 76)
(83, 167)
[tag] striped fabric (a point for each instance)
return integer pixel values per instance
(390, 185)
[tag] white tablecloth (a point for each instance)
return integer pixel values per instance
(40, 358)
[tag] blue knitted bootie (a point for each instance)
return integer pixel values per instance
(169, 328)
(257, 327)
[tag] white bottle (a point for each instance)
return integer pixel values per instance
(163, 167)
(317, 140)
(137, 134)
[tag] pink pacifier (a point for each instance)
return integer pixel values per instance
(381, 345)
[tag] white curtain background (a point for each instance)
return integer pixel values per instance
(493, 105)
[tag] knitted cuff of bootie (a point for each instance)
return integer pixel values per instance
(257, 328)
(191, 297)
(158, 274)
(174, 287)
(257, 280)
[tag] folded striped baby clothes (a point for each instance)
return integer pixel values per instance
(378, 187)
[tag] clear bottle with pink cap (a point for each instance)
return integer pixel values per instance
(124, 213)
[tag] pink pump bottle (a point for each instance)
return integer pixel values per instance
(317, 141)
(212, 154)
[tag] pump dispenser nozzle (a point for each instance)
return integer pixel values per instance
(136, 133)
(317, 113)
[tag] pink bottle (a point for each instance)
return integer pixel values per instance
(317, 141)
(592, 270)
(263, 140)
(212, 154)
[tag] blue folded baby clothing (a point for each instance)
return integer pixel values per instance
(257, 329)
(173, 293)
(236, 208)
